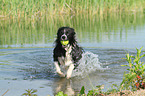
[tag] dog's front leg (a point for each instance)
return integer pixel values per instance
(69, 71)
(58, 69)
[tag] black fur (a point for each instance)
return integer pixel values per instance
(59, 50)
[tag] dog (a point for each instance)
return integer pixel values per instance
(67, 52)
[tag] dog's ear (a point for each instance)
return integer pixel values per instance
(73, 31)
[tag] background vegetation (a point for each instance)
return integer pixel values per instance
(32, 9)
(36, 21)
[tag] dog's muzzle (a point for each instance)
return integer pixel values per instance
(63, 37)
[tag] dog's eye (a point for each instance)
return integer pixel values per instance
(66, 32)
(61, 32)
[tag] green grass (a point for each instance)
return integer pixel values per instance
(34, 9)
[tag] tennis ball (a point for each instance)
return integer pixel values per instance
(64, 42)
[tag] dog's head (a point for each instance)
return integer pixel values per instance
(65, 36)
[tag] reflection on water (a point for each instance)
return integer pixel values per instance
(63, 84)
(114, 30)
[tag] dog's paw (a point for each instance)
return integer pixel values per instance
(68, 76)
(61, 74)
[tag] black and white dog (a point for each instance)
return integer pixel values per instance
(66, 52)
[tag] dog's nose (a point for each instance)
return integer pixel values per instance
(63, 37)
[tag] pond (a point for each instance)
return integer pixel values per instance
(26, 52)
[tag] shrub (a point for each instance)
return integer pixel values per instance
(135, 78)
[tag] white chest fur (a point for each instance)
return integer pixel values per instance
(67, 60)
(66, 63)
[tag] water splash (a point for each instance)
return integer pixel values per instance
(89, 63)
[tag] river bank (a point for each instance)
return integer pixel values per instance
(129, 93)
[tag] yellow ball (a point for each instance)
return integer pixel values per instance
(64, 42)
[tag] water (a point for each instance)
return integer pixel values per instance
(33, 69)
(26, 60)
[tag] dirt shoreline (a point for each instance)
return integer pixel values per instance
(140, 92)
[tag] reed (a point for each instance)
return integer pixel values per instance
(36, 21)
(38, 9)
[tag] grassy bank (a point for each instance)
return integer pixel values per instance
(39, 9)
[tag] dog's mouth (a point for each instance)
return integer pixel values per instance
(64, 42)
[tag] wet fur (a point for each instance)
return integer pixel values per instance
(68, 55)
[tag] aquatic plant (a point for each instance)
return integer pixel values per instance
(39, 9)
(60, 94)
(30, 92)
(95, 92)
(29, 21)
(135, 78)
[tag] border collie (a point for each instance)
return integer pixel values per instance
(66, 53)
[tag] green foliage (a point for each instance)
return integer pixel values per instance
(134, 79)
(60, 94)
(31, 8)
(30, 92)
(82, 90)
(94, 92)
